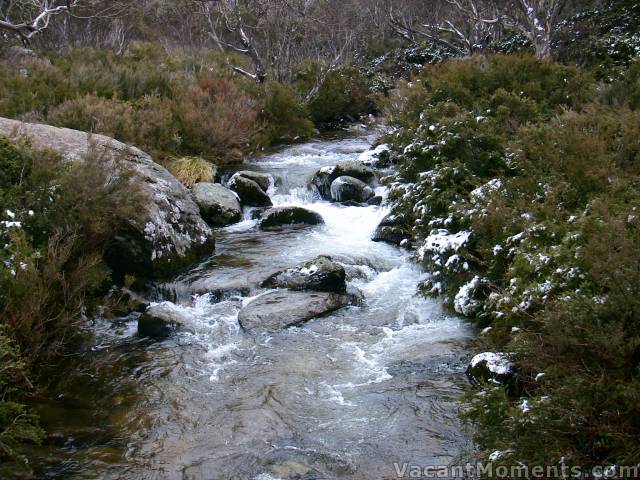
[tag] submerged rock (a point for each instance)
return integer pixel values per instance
(161, 320)
(392, 230)
(320, 274)
(276, 311)
(249, 191)
(218, 205)
(348, 188)
(263, 180)
(324, 177)
(171, 233)
(289, 216)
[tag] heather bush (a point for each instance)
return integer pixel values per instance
(216, 116)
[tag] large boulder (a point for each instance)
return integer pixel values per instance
(324, 177)
(262, 179)
(320, 274)
(218, 205)
(161, 320)
(344, 189)
(171, 234)
(392, 229)
(276, 311)
(289, 216)
(249, 191)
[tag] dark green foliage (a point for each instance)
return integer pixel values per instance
(285, 119)
(344, 95)
(604, 38)
(541, 166)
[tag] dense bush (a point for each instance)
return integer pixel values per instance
(57, 221)
(284, 118)
(520, 179)
(169, 103)
(344, 93)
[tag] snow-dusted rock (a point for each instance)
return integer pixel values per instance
(465, 301)
(218, 205)
(262, 179)
(172, 232)
(392, 229)
(321, 274)
(377, 157)
(344, 189)
(491, 367)
(322, 180)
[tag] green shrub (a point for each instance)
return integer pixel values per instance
(17, 425)
(284, 118)
(147, 123)
(344, 94)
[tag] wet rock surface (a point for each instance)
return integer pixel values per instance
(280, 217)
(218, 205)
(275, 311)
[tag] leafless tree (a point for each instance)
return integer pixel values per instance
(466, 27)
(27, 18)
(536, 19)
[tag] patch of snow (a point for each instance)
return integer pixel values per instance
(441, 241)
(370, 155)
(464, 303)
(482, 191)
(498, 454)
(497, 363)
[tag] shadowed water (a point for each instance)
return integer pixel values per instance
(343, 396)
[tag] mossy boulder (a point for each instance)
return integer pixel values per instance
(170, 232)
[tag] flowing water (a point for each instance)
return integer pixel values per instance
(340, 397)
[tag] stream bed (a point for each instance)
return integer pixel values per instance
(340, 397)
